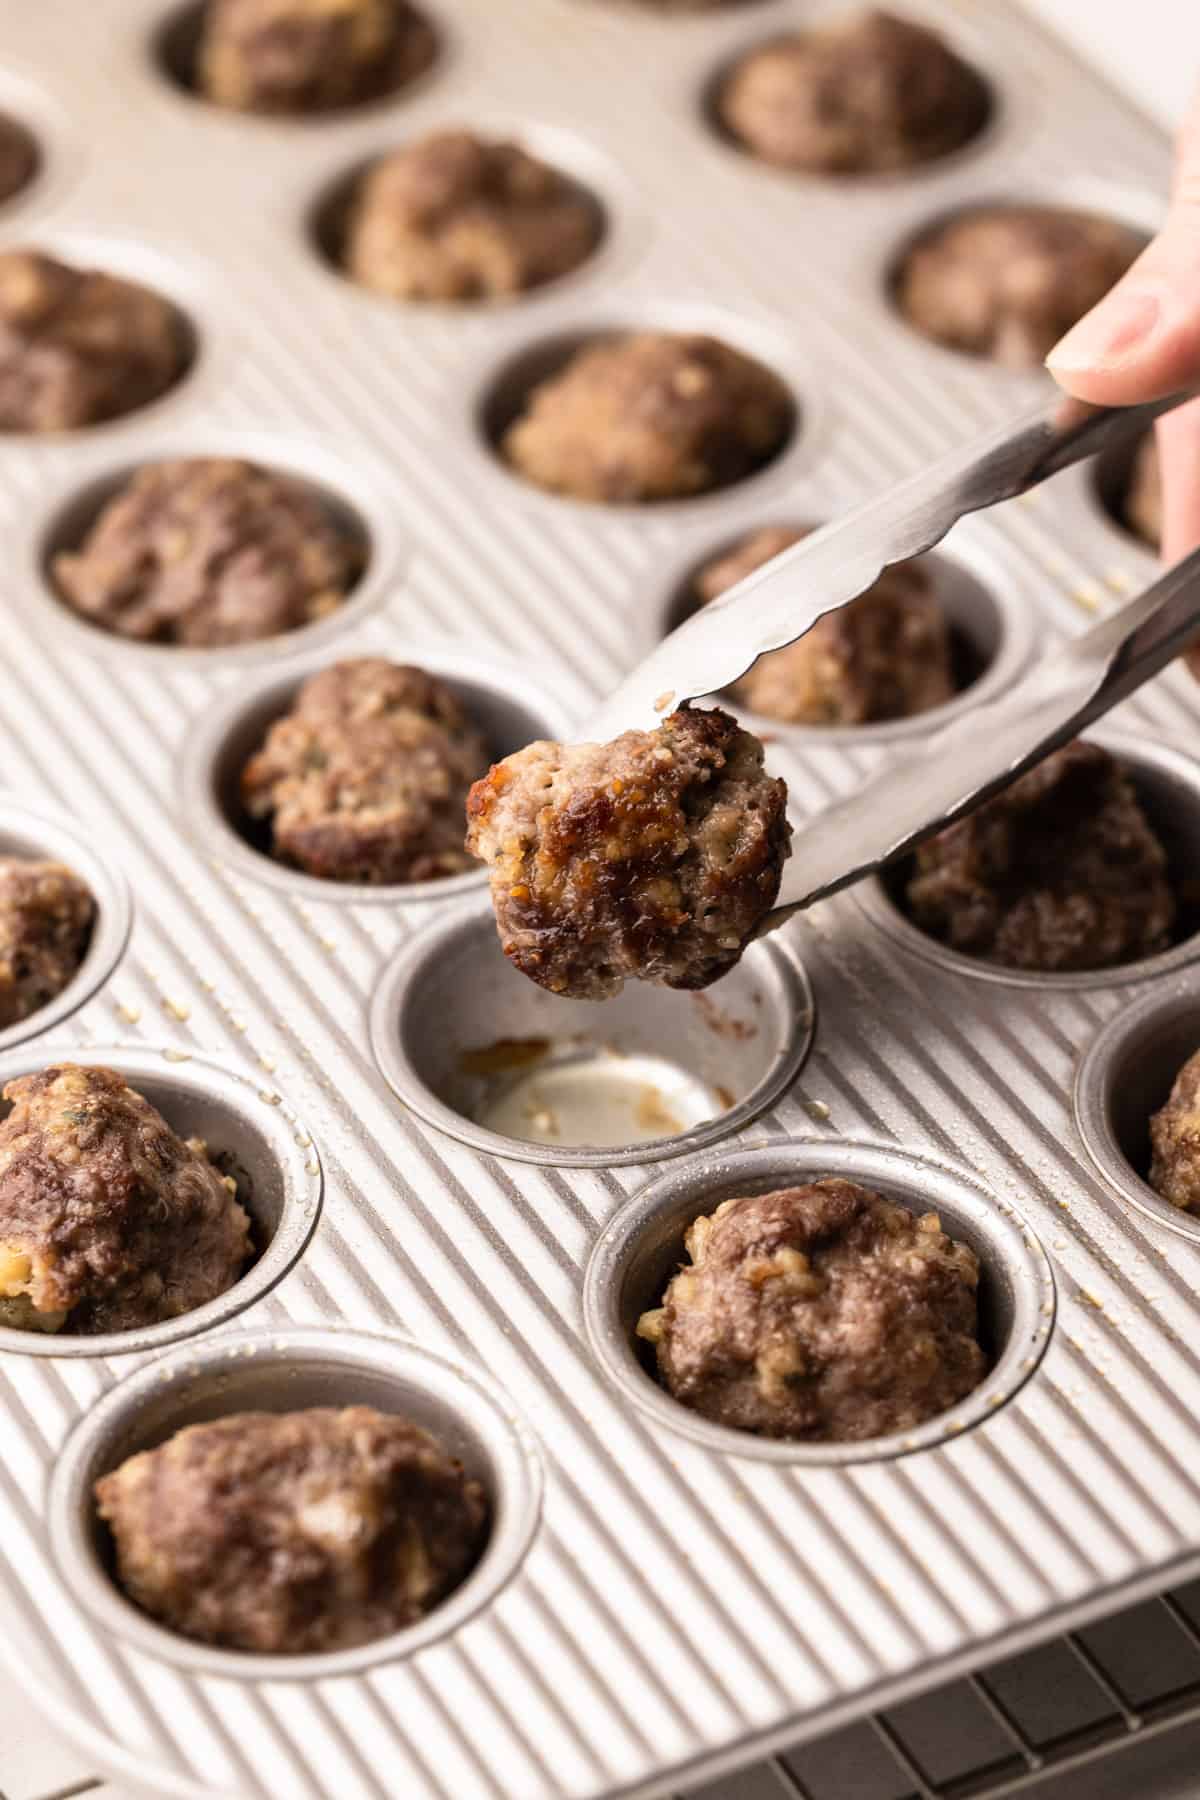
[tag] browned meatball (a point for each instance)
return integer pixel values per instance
(868, 93)
(293, 1533)
(108, 1219)
(1175, 1140)
(310, 56)
(18, 157)
(653, 415)
(821, 1312)
(210, 551)
(366, 778)
(46, 918)
(1006, 282)
(1141, 506)
(1061, 871)
(78, 346)
(885, 656)
(460, 217)
(654, 857)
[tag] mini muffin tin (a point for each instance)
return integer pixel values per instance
(677, 1605)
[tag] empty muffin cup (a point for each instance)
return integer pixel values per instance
(483, 1054)
(41, 834)
(365, 523)
(509, 709)
(251, 1134)
(642, 1247)
(990, 625)
(278, 1372)
(1167, 784)
(1125, 1076)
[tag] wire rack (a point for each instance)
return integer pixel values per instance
(1051, 1720)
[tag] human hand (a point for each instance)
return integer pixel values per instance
(1143, 340)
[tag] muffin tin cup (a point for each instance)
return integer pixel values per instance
(624, 229)
(177, 278)
(642, 1246)
(1134, 207)
(1167, 781)
(510, 710)
(171, 50)
(283, 1371)
(450, 994)
(986, 603)
(252, 1134)
(1011, 116)
(500, 383)
(38, 832)
(1124, 1076)
(64, 521)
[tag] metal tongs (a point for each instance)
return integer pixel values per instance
(984, 748)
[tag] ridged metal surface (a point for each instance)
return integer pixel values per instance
(678, 1609)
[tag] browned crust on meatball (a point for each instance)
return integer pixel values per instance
(885, 656)
(1005, 282)
(1062, 871)
(822, 1313)
(46, 919)
(78, 346)
(650, 415)
(870, 93)
(293, 1533)
(1175, 1140)
(1141, 506)
(366, 778)
(310, 56)
(459, 217)
(654, 857)
(210, 550)
(19, 157)
(108, 1219)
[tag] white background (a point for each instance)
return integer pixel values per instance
(1151, 47)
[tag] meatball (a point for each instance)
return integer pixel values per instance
(1141, 506)
(210, 551)
(366, 778)
(1061, 871)
(18, 157)
(46, 918)
(460, 217)
(310, 56)
(865, 94)
(108, 1219)
(1006, 282)
(293, 1533)
(821, 1312)
(77, 346)
(1175, 1141)
(654, 857)
(652, 415)
(885, 656)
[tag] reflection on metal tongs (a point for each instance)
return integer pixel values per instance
(984, 749)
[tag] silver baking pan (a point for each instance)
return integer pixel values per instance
(675, 1604)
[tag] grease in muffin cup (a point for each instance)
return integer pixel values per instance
(480, 1052)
